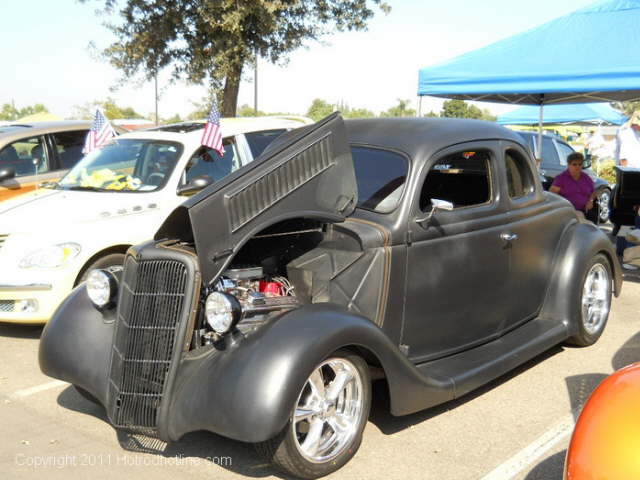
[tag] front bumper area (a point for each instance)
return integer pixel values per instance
(46, 294)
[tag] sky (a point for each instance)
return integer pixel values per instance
(47, 57)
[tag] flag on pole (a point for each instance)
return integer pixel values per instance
(212, 135)
(100, 134)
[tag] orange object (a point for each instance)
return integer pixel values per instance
(606, 440)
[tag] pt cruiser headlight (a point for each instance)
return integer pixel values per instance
(102, 288)
(51, 257)
(222, 311)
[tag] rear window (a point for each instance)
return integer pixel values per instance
(380, 175)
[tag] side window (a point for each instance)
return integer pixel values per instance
(461, 178)
(207, 161)
(519, 175)
(565, 151)
(27, 156)
(258, 141)
(69, 147)
(380, 177)
(549, 152)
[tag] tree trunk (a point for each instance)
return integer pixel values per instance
(230, 94)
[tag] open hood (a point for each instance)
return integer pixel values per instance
(307, 172)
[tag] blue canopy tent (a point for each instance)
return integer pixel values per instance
(583, 113)
(590, 55)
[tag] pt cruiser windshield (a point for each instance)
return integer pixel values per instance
(125, 165)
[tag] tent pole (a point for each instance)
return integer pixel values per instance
(540, 117)
(419, 105)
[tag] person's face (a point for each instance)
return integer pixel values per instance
(575, 167)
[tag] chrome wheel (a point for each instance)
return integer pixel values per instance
(328, 413)
(596, 298)
(603, 206)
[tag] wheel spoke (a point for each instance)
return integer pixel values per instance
(339, 424)
(311, 444)
(338, 384)
(317, 383)
(303, 414)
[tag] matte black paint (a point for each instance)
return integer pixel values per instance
(246, 386)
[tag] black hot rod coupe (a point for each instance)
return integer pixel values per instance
(421, 252)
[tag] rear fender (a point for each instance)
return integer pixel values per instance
(247, 391)
(580, 243)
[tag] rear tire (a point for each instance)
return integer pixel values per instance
(592, 302)
(325, 428)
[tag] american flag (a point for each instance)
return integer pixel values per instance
(100, 134)
(212, 135)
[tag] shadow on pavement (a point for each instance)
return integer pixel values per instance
(628, 353)
(205, 447)
(580, 387)
(20, 331)
(549, 469)
(388, 424)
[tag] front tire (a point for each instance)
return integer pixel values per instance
(325, 428)
(593, 302)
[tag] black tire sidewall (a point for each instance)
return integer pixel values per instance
(286, 455)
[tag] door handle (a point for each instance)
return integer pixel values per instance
(508, 237)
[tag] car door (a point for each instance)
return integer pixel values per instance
(535, 228)
(457, 269)
(31, 160)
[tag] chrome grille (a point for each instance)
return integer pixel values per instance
(2, 239)
(149, 313)
(7, 305)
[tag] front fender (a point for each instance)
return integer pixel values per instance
(580, 243)
(76, 344)
(248, 390)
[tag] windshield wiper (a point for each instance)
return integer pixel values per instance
(85, 189)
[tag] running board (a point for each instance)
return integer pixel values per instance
(476, 367)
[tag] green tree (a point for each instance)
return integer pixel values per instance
(109, 107)
(319, 109)
(358, 113)
(213, 40)
(400, 110)
(10, 112)
(175, 119)
(247, 111)
(461, 109)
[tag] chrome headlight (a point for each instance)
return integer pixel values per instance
(222, 311)
(51, 257)
(102, 288)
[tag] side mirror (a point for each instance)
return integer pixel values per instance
(194, 185)
(7, 173)
(586, 163)
(436, 204)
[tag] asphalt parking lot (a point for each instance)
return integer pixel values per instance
(515, 428)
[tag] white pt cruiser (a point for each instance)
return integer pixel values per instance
(115, 197)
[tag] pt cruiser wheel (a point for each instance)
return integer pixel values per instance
(595, 302)
(325, 428)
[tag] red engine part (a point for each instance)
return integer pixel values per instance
(271, 288)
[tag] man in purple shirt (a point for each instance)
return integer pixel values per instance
(575, 185)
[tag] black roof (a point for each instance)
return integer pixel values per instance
(422, 137)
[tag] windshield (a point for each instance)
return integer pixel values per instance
(128, 165)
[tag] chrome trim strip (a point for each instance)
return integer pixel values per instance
(13, 287)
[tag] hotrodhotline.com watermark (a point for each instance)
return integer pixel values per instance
(109, 460)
